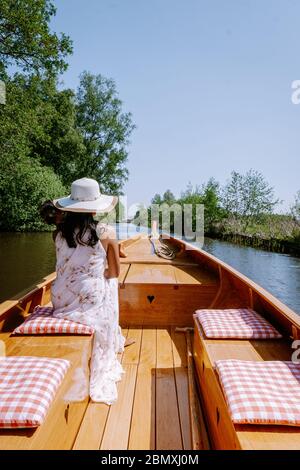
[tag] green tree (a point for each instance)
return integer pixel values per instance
(55, 140)
(191, 196)
(26, 40)
(24, 185)
(168, 197)
(157, 199)
(248, 197)
(207, 195)
(105, 130)
(38, 142)
(210, 198)
(43, 118)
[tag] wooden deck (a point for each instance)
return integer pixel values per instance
(152, 411)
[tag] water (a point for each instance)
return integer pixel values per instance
(277, 273)
(25, 258)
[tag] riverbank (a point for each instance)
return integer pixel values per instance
(274, 245)
(276, 233)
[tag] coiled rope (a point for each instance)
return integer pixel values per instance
(161, 248)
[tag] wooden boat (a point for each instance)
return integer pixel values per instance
(170, 396)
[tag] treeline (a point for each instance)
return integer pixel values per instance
(244, 207)
(50, 136)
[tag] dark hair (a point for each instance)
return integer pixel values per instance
(85, 223)
(48, 212)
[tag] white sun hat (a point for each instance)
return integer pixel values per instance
(86, 197)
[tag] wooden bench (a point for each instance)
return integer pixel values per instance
(223, 432)
(63, 420)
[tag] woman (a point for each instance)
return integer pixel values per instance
(86, 286)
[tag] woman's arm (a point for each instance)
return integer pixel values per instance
(113, 260)
(111, 246)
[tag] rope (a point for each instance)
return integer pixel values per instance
(162, 249)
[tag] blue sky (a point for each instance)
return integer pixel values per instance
(208, 84)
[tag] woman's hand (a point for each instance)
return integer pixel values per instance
(107, 274)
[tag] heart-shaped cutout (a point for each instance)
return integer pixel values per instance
(150, 298)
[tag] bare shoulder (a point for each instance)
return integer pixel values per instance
(108, 238)
(107, 232)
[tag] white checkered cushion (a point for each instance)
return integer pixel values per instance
(240, 323)
(259, 392)
(27, 388)
(42, 322)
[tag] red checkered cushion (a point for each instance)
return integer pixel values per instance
(241, 323)
(41, 322)
(261, 392)
(27, 388)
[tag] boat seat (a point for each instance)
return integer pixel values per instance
(226, 434)
(240, 323)
(28, 386)
(261, 392)
(42, 322)
(63, 420)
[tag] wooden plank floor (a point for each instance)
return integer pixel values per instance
(152, 411)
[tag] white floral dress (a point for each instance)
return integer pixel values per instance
(82, 294)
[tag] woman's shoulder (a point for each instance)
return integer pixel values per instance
(105, 231)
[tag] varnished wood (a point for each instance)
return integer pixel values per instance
(156, 304)
(168, 434)
(2, 347)
(198, 429)
(131, 354)
(92, 427)
(295, 332)
(179, 349)
(123, 272)
(191, 275)
(117, 427)
(142, 431)
(268, 437)
(221, 429)
(149, 274)
(124, 244)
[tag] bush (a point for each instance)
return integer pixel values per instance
(24, 185)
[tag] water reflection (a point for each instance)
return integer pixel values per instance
(278, 273)
(25, 258)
